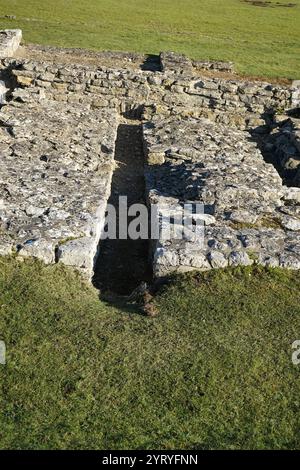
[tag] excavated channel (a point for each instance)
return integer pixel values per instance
(123, 264)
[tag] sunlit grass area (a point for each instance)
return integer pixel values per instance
(212, 370)
(261, 41)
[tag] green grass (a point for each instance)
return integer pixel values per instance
(261, 41)
(213, 370)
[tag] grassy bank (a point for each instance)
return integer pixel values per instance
(213, 370)
(260, 40)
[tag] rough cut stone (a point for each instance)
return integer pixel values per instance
(9, 42)
(296, 94)
(172, 62)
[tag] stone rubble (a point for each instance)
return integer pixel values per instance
(201, 138)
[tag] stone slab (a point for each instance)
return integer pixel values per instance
(9, 42)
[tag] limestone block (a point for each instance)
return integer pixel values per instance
(289, 261)
(239, 258)
(156, 158)
(6, 245)
(42, 249)
(194, 259)
(290, 223)
(217, 259)
(292, 194)
(78, 253)
(296, 94)
(9, 42)
(172, 62)
(266, 260)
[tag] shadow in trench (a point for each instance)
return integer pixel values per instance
(123, 264)
(151, 63)
(265, 142)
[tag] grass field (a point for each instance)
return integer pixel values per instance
(262, 41)
(213, 370)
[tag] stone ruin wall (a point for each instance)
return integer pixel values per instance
(207, 138)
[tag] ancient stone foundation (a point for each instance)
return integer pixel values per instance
(208, 137)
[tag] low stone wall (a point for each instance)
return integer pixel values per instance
(233, 102)
(56, 169)
(248, 216)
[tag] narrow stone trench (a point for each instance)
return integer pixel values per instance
(123, 264)
(278, 148)
(263, 142)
